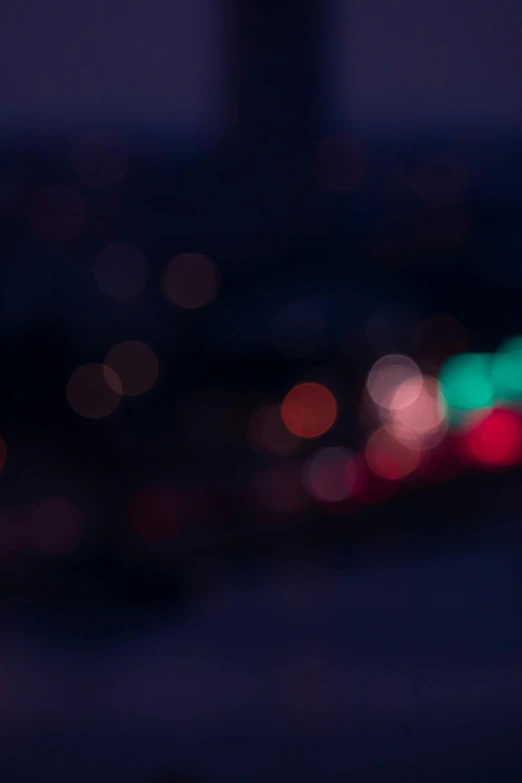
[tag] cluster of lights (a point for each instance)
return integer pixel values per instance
(131, 368)
(474, 405)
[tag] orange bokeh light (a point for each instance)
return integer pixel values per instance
(390, 454)
(309, 410)
(191, 280)
(89, 394)
(133, 367)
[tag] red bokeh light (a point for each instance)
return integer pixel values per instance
(370, 488)
(495, 442)
(309, 410)
(390, 455)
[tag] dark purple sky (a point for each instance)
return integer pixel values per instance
(160, 63)
(143, 62)
(451, 63)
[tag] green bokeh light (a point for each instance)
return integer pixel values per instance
(507, 371)
(467, 384)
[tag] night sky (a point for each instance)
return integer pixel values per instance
(161, 64)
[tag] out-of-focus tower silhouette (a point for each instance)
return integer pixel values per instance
(276, 64)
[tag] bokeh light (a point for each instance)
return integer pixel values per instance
(121, 270)
(133, 368)
(495, 442)
(467, 384)
(423, 416)
(90, 395)
(100, 158)
(330, 474)
(309, 410)
(268, 434)
(298, 330)
(55, 525)
(371, 488)
(58, 213)
(507, 371)
(391, 453)
(191, 281)
(387, 375)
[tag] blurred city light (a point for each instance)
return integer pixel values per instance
(392, 453)
(423, 416)
(494, 442)
(309, 410)
(191, 281)
(89, 393)
(387, 375)
(467, 384)
(133, 368)
(507, 371)
(330, 474)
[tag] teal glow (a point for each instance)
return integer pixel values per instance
(467, 384)
(507, 371)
